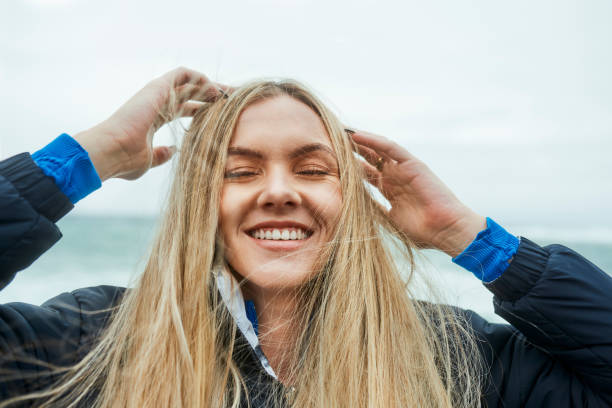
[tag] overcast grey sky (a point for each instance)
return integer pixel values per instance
(508, 102)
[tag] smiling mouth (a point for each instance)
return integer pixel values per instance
(280, 234)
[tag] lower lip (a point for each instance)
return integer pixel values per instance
(280, 245)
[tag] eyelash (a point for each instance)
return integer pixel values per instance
(311, 172)
(314, 172)
(239, 174)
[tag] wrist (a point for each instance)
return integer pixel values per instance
(104, 153)
(461, 234)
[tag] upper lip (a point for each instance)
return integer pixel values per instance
(280, 224)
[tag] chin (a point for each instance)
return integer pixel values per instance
(277, 275)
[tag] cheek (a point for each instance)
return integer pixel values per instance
(328, 202)
(228, 213)
(236, 203)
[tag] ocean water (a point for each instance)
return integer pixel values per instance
(112, 250)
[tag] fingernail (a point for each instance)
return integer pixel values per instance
(349, 131)
(223, 93)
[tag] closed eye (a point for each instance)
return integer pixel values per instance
(305, 171)
(313, 172)
(237, 174)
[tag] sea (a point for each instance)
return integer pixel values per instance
(111, 250)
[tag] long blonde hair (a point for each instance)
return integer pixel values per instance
(364, 340)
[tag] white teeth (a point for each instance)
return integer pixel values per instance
(285, 234)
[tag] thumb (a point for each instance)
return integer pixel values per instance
(162, 154)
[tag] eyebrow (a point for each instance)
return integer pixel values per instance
(243, 151)
(300, 151)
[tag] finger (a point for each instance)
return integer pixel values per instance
(367, 153)
(228, 89)
(208, 92)
(225, 88)
(186, 109)
(373, 176)
(382, 145)
(189, 109)
(212, 91)
(370, 155)
(188, 84)
(181, 76)
(162, 154)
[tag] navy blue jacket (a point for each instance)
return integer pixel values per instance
(556, 351)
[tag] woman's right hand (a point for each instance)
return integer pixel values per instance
(122, 145)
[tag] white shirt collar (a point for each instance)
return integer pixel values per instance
(232, 297)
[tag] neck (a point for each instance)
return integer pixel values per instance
(278, 329)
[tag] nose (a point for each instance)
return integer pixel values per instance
(278, 191)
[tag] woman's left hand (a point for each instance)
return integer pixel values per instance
(422, 206)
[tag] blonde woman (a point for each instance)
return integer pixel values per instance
(276, 279)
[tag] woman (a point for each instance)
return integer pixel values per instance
(268, 206)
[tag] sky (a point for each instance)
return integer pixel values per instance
(509, 103)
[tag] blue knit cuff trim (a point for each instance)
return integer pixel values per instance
(487, 256)
(69, 165)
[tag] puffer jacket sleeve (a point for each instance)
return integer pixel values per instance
(557, 352)
(30, 204)
(36, 338)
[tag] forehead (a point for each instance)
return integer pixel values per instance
(278, 124)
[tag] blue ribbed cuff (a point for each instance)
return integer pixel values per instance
(487, 256)
(69, 165)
